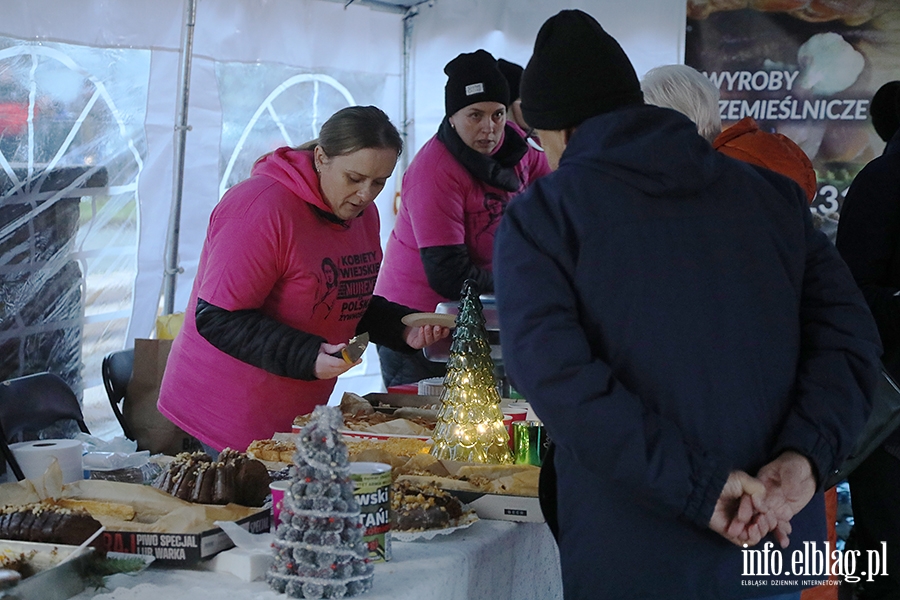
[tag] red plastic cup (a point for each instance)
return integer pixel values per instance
(507, 422)
(510, 416)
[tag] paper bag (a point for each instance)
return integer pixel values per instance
(168, 326)
(151, 429)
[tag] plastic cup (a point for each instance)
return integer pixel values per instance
(507, 423)
(518, 414)
(278, 488)
(513, 414)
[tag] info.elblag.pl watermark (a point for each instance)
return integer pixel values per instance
(812, 565)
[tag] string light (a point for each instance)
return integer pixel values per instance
(470, 423)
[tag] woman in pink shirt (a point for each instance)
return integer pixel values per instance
(286, 277)
(454, 194)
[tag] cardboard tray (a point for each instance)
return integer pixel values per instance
(371, 435)
(501, 507)
(394, 400)
(183, 549)
(399, 400)
(56, 582)
(173, 531)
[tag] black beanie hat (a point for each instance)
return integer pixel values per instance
(577, 71)
(885, 110)
(474, 77)
(513, 74)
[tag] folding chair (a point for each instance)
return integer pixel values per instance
(116, 370)
(32, 403)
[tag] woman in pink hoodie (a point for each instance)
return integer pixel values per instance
(286, 277)
(454, 195)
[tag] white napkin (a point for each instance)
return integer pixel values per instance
(243, 539)
(251, 558)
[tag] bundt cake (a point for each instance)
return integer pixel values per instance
(232, 477)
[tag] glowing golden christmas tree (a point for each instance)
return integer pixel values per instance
(470, 423)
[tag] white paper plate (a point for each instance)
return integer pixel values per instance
(425, 318)
(465, 520)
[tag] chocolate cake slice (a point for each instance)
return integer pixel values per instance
(48, 524)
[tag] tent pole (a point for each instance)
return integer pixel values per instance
(406, 84)
(181, 129)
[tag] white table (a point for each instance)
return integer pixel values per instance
(491, 560)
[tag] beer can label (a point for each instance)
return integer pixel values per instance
(372, 489)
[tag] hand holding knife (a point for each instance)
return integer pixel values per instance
(354, 349)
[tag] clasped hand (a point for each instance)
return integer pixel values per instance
(749, 508)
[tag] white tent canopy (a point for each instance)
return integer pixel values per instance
(263, 73)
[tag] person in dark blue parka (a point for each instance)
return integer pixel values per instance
(699, 354)
(868, 239)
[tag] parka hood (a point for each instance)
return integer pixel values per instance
(656, 150)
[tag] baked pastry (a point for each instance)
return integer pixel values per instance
(99, 508)
(419, 507)
(48, 524)
(360, 415)
(232, 477)
(272, 450)
(402, 447)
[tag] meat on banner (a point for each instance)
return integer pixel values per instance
(803, 68)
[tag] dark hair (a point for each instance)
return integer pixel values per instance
(327, 262)
(355, 128)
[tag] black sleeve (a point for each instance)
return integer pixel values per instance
(448, 267)
(382, 321)
(258, 340)
(868, 239)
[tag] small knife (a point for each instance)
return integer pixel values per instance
(355, 348)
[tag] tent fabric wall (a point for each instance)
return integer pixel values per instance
(310, 34)
(650, 31)
(295, 32)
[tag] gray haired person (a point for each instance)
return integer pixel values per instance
(688, 91)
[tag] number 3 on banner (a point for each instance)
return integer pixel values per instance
(828, 200)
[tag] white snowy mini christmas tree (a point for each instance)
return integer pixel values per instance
(319, 550)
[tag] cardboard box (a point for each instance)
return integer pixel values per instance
(183, 549)
(385, 402)
(54, 580)
(173, 531)
(368, 435)
(487, 505)
(526, 509)
(392, 399)
(502, 507)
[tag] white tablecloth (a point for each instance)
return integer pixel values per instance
(491, 560)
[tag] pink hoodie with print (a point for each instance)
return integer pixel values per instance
(269, 248)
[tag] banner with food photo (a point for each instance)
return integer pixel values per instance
(806, 69)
